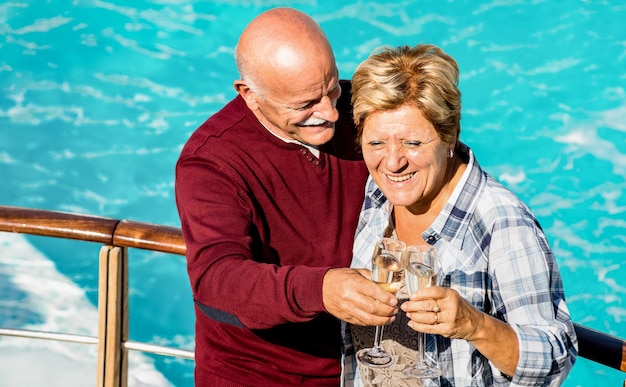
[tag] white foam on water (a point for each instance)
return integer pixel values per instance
(583, 137)
(62, 307)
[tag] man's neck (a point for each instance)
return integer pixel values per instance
(311, 148)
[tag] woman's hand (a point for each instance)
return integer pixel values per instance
(442, 311)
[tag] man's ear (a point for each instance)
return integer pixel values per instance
(246, 93)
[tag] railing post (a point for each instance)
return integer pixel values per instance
(112, 368)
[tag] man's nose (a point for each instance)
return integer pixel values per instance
(327, 109)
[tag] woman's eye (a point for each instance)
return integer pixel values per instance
(413, 144)
(375, 143)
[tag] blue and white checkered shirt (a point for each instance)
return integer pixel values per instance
(493, 252)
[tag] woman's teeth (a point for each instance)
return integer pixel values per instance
(399, 179)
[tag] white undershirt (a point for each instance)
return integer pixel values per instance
(311, 148)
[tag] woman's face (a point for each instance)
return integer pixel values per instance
(405, 156)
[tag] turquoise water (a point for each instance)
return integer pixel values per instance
(98, 98)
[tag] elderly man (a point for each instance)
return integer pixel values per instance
(269, 191)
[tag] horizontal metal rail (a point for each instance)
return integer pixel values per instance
(82, 339)
(158, 349)
(64, 337)
(594, 345)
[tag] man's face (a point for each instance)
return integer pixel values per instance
(301, 108)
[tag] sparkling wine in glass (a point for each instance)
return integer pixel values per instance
(421, 272)
(388, 273)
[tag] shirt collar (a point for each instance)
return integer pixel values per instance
(313, 149)
(453, 221)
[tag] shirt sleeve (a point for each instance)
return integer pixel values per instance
(528, 294)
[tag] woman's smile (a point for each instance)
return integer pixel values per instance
(400, 178)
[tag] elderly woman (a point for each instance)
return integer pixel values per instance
(498, 316)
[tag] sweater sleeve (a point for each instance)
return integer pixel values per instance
(235, 278)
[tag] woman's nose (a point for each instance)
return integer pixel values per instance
(395, 159)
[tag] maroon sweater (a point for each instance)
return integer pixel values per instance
(263, 221)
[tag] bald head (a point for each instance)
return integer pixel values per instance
(280, 41)
(289, 78)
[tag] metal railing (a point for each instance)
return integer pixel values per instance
(113, 314)
(116, 236)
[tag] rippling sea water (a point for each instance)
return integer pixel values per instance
(98, 97)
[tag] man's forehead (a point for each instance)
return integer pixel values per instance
(305, 92)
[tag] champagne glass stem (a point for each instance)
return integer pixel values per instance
(377, 337)
(421, 347)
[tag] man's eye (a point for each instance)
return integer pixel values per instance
(307, 106)
(375, 143)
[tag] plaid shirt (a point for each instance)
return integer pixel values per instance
(493, 252)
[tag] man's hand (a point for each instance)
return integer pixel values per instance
(351, 296)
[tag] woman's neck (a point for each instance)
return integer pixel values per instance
(411, 222)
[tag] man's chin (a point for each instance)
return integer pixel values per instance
(319, 136)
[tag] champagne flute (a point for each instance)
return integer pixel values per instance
(421, 272)
(387, 272)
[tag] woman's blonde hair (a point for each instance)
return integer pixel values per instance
(423, 76)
